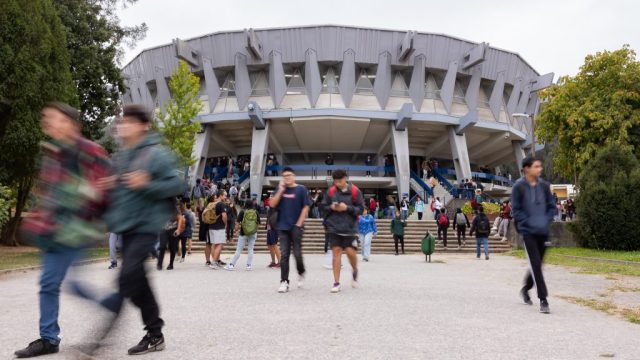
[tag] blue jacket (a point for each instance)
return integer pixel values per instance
(367, 224)
(533, 207)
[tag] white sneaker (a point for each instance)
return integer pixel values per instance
(181, 260)
(504, 239)
(284, 287)
(328, 267)
(336, 288)
(230, 267)
(248, 268)
(300, 281)
(214, 266)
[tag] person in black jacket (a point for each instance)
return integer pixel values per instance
(342, 205)
(533, 210)
(460, 224)
(482, 227)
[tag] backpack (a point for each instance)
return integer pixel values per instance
(461, 220)
(484, 228)
(250, 222)
(209, 215)
(354, 195)
(443, 220)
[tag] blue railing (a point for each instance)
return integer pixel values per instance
(243, 177)
(315, 168)
(479, 175)
(422, 184)
(445, 183)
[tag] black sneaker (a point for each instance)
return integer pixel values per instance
(544, 307)
(525, 297)
(113, 266)
(221, 263)
(37, 348)
(207, 263)
(148, 343)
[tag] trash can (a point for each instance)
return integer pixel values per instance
(428, 246)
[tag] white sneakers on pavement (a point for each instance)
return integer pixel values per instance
(284, 287)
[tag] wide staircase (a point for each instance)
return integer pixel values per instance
(313, 241)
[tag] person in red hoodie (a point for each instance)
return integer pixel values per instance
(506, 218)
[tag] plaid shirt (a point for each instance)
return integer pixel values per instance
(66, 186)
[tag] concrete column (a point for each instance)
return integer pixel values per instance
(519, 153)
(400, 144)
(259, 147)
(460, 154)
(200, 152)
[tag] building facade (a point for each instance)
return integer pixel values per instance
(301, 93)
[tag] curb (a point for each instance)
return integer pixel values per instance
(601, 260)
(30, 268)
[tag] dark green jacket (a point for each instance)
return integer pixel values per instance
(147, 209)
(397, 227)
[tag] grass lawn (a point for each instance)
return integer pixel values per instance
(554, 256)
(24, 256)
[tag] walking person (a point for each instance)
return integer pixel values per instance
(367, 228)
(397, 230)
(443, 226)
(533, 211)
(68, 162)
(170, 237)
(247, 225)
(187, 234)
(482, 227)
(460, 224)
(419, 207)
(141, 201)
(115, 243)
(292, 203)
(342, 205)
(404, 208)
(272, 242)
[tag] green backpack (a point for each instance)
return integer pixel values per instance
(250, 222)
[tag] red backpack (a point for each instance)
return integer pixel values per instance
(443, 220)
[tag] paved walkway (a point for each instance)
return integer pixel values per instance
(404, 309)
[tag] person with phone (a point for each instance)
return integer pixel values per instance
(292, 203)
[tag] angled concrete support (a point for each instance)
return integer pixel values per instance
(255, 114)
(211, 82)
(243, 84)
(404, 116)
(497, 96)
(448, 86)
(518, 152)
(162, 89)
(277, 82)
(347, 83)
(259, 146)
(460, 154)
(382, 85)
(201, 152)
(515, 96)
(312, 78)
(416, 87)
(400, 144)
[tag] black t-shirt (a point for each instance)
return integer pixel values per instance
(221, 208)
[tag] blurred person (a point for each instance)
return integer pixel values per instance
(169, 236)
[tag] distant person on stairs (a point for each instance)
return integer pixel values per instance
(443, 226)
(482, 227)
(397, 229)
(460, 224)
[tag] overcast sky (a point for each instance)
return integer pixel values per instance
(552, 35)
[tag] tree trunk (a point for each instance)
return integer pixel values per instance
(10, 232)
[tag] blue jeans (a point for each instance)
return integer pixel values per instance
(54, 268)
(115, 242)
(251, 242)
(365, 239)
(485, 241)
(405, 214)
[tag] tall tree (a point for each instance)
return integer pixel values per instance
(34, 69)
(95, 40)
(597, 107)
(176, 123)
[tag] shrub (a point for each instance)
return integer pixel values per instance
(489, 208)
(609, 199)
(5, 204)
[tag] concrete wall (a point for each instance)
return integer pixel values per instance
(560, 236)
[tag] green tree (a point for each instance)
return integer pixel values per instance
(597, 107)
(34, 69)
(176, 123)
(95, 40)
(608, 203)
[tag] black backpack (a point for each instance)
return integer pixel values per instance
(484, 227)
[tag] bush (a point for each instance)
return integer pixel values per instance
(489, 208)
(6, 199)
(609, 199)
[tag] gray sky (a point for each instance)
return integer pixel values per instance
(552, 35)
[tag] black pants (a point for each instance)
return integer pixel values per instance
(289, 239)
(167, 239)
(442, 234)
(398, 239)
(133, 281)
(183, 243)
(419, 216)
(535, 248)
(462, 232)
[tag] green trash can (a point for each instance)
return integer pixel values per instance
(428, 246)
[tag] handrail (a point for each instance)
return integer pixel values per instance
(244, 177)
(422, 184)
(444, 182)
(479, 175)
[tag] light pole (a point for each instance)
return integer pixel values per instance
(524, 117)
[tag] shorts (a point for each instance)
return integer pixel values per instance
(217, 237)
(272, 237)
(343, 241)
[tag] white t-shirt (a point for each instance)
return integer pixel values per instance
(438, 205)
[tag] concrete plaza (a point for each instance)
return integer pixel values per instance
(460, 308)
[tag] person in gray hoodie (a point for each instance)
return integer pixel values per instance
(533, 210)
(342, 206)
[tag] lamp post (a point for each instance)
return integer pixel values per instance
(524, 117)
